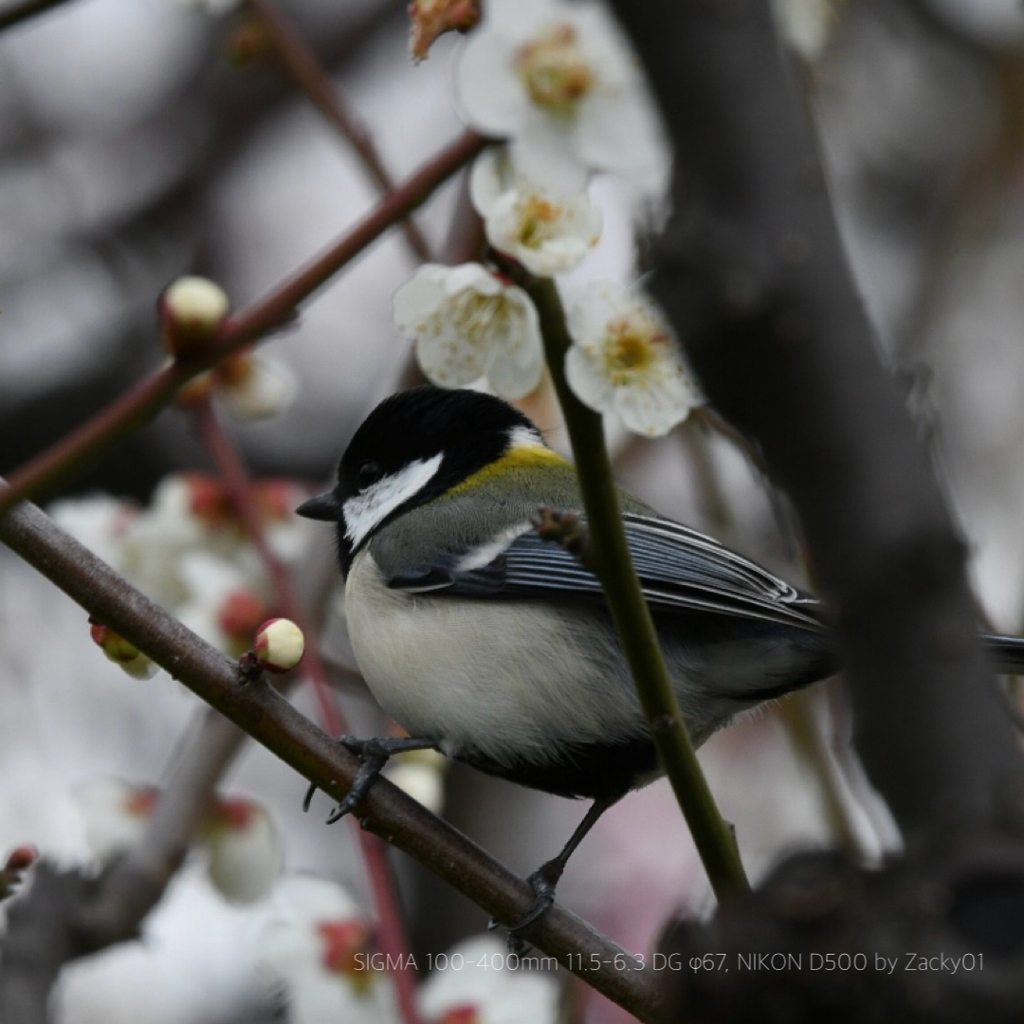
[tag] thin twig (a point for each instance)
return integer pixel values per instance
(133, 409)
(391, 930)
(752, 272)
(264, 715)
(612, 565)
(300, 61)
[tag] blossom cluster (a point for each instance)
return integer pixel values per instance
(558, 82)
(188, 551)
(321, 947)
(244, 854)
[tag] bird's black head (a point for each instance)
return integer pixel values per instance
(412, 448)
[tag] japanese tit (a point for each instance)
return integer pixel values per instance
(495, 647)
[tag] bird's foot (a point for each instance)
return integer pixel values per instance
(373, 755)
(543, 882)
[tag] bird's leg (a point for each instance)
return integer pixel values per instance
(546, 877)
(373, 754)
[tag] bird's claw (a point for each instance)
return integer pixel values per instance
(373, 755)
(543, 885)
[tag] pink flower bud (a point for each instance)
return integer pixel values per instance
(21, 858)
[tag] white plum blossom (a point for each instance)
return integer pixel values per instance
(548, 230)
(189, 552)
(245, 849)
(317, 942)
(469, 323)
(559, 80)
(114, 814)
(223, 606)
(99, 521)
(245, 855)
(478, 987)
(625, 360)
(253, 387)
(420, 774)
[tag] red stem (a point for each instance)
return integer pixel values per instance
(392, 930)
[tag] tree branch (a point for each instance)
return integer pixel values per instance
(139, 405)
(269, 719)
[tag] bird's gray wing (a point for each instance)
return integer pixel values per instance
(680, 570)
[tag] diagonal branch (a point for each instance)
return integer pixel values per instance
(269, 719)
(139, 405)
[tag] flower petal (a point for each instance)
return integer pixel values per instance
(587, 381)
(491, 96)
(517, 362)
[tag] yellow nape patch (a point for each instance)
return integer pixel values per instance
(520, 456)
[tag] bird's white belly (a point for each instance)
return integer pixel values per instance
(452, 669)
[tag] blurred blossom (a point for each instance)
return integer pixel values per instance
(253, 387)
(420, 773)
(318, 943)
(245, 856)
(624, 360)
(560, 81)
(99, 522)
(189, 552)
(250, 386)
(223, 606)
(470, 323)
(548, 230)
(477, 986)
(245, 849)
(19, 860)
(114, 814)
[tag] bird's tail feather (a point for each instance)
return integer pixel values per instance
(1007, 652)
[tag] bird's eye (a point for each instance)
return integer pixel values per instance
(368, 473)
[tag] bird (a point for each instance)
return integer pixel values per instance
(494, 646)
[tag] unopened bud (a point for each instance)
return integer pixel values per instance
(192, 309)
(121, 651)
(21, 858)
(279, 645)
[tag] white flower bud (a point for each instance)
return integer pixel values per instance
(279, 645)
(193, 308)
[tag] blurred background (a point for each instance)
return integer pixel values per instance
(137, 145)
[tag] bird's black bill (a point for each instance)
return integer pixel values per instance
(324, 506)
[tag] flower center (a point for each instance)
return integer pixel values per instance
(478, 316)
(631, 345)
(536, 221)
(554, 70)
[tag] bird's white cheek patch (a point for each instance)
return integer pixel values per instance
(367, 509)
